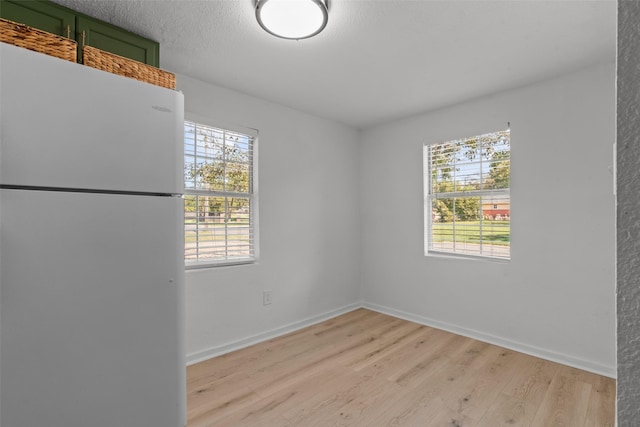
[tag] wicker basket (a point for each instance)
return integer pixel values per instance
(116, 64)
(37, 40)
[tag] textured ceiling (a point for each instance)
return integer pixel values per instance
(376, 60)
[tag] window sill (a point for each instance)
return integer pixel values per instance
(456, 257)
(215, 264)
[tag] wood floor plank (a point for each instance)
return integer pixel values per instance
(300, 396)
(260, 413)
(220, 408)
(533, 381)
(284, 374)
(353, 403)
(372, 370)
(384, 345)
(309, 348)
(206, 393)
(509, 411)
(428, 361)
(565, 404)
(480, 387)
(600, 412)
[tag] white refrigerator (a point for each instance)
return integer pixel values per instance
(91, 249)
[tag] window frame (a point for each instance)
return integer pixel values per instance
(429, 197)
(252, 194)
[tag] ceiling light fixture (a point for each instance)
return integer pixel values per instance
(292, 19)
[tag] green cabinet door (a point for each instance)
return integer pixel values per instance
(93, 32)
(42, 15)
(48, 16)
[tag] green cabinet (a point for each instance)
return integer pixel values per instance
(115, 40)
(56, 19)
(42, 15)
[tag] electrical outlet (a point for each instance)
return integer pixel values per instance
(266, 297)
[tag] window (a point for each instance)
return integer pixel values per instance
(220, 197)
(467, 201)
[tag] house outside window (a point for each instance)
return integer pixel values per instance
(219, 195)
(467, 197)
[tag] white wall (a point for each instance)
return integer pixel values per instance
(556, 297)
(309, 233)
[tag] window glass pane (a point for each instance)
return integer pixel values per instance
(468, 176)
(189, 171)
(189, 139)
(211, 227)
(210, 174)
(468, 237)
(189, 155)
(467, 209)
(496, 238)
(190, 227)
(499, 171)
(442, 225)
(237, 177)
(239, 227)
(217, 227)
(496, 155)
(442, 180)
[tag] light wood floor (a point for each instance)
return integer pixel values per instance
(372, 370)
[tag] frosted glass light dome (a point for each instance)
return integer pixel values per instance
(292, 19)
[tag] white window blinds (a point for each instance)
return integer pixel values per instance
(467, 196)
(219, 220)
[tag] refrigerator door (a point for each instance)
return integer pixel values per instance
(68, 125)
(91, 310)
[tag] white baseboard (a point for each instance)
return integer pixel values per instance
(586, 365)
(267, 335)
